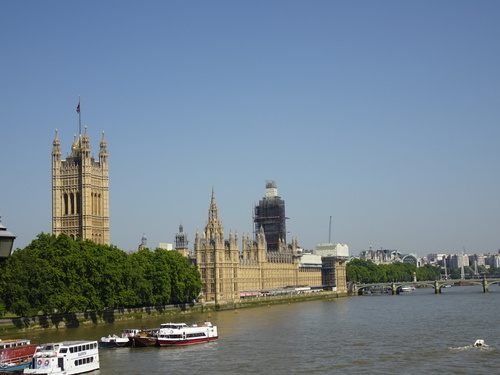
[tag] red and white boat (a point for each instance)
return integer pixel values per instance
(173, 334)
(15, 353)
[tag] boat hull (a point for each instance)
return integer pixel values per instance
(173, 342)
(113, 344)
(14, 367)
(139, 342)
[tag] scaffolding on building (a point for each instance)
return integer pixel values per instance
(270, 217)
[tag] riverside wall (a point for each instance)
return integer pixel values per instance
(73, 320)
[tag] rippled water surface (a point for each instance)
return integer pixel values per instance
(412, 333)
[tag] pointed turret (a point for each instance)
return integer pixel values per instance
(56, 149)
(85, 144)
(103, 151)
(74, 146)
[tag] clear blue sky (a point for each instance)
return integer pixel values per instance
(384, 115)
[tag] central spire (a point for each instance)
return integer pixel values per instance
(213, 214)
(214, 227)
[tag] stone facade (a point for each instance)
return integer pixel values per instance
(80, 191)
(225, 271)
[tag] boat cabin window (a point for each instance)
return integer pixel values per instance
(64, 350)
(84, 361)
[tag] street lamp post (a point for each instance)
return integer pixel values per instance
(6, 242)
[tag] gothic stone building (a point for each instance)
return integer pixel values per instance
(225, 271)
(80, 198)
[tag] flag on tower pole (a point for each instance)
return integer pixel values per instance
(79, 116)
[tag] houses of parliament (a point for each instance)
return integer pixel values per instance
(80, 208)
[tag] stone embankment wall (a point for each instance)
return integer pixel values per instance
(73, 320)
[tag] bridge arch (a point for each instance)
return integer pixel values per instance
(436, 284)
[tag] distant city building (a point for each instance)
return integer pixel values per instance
(459, 260)
(80, 191)
(332, 250)
(477, 259)
(436, 259)
(410, 258)
(165, 246)
(467, 260)
(494, 261)
(270, 217)
(384, 256)
(381, 256)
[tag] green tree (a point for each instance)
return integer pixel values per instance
(455, 273)
(61, 275)
(361, 271)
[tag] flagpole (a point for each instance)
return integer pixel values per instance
(79, 117)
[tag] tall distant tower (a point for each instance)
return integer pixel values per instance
(181, 242)
(80, 191)
(270, 216)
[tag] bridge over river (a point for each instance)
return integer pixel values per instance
(437, 284)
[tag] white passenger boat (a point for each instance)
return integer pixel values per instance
(173, 334)
(65, 358)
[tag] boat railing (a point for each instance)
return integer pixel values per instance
(18, 359)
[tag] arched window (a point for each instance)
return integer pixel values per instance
(65, 197)
(78, 204)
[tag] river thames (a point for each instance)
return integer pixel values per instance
(411, 333)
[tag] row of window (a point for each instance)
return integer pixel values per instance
(84, 361)
(11, 344)
(189, 335)
(72, 203)
(81, 348)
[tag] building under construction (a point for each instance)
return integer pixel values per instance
(270, 217)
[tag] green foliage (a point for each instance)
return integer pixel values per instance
(361, 271)
(59, 275)
(454, 273)
(428, 272)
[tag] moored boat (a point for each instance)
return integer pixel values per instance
(148, 337)
(405, 288)
(174, 334)
(114, 341)
(130, 332)
(15, 354)
(67, 357)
